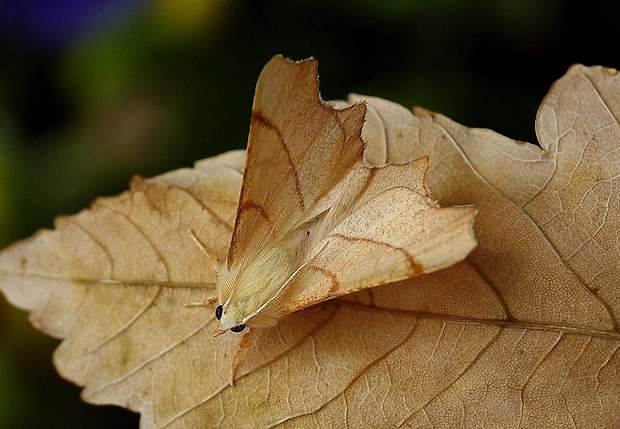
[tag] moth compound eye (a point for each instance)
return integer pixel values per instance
(218, 312)
(238, 328)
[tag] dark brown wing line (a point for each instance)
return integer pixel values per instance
(260, 120)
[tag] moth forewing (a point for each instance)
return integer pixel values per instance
(383, 241)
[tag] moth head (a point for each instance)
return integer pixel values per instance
(230, 318)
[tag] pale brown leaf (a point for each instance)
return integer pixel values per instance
(524, 333)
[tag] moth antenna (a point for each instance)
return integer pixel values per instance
(210, 257)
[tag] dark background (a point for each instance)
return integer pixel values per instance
(92, 92)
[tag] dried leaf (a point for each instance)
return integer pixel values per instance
(524, 333)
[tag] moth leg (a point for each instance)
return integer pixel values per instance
(212, 300)
(235, 360)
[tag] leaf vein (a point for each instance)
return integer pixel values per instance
(148, 240)
(456, 378)
(354, 378)
(151, 359)
(542, 233)
(127, 324)
(220, 220)
(265, 365)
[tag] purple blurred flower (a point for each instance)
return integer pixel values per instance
(53, 23)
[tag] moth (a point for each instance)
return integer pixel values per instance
(314, 221)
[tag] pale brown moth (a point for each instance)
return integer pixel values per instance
(314, 221)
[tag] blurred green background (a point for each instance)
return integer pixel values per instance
(93, 91)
